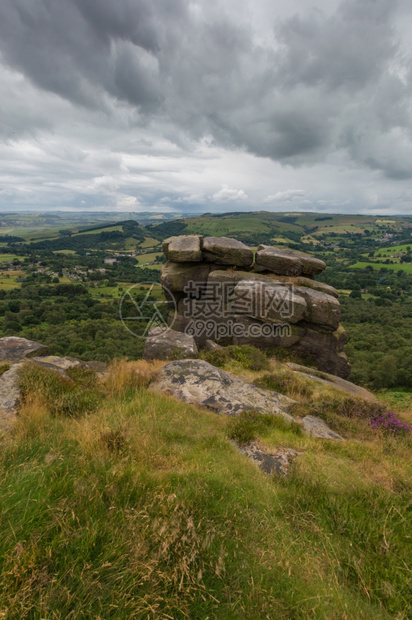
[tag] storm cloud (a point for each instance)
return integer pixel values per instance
(171, 101)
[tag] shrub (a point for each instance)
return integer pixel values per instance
(249, 357)
(249, 424)
(289, 384)
(216, 357)
(347, 407)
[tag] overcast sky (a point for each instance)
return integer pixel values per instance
(206, 105)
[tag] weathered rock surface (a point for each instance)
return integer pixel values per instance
(176, 276)
(277, 461)
(9, 392)
(14, 349)
(240, 306)
(287, 262)
(184, 249)
(318, 428)
(332, 380)
(225, 251)
(268, 302)
(323, 348)
(322, 309)
(167, 344)
(200, 383)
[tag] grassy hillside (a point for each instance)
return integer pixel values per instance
(119, 503)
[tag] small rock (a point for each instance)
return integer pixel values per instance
(211, 345)
(167, 344)
(318, 428)
(275, 462)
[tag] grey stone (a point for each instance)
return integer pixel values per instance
(225, 251)
(266, 335)
(318, 428)
(277, 461)
(269, 302)
(9, 392)
(183, 249)
(14, 349)
(200, 383)
(176, 276)
(333, 381)
(284, 261)
(167, 344)
(321, 346)
(322, 309)
(210, 345)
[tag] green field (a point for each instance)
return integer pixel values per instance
(407, 267)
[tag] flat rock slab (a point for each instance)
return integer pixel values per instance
(287, 262)
(318, 428)
(199, 383)
(183, 249)
(334, 381)
(277, 461)
(167, 344)
(226, 251)
(14, 349)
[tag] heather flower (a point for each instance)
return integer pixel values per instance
(390, 423)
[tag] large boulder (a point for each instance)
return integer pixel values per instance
(200, 383)
(167, 344)
(225, 251)
(183, 249)
(14, 349)
(287, 262)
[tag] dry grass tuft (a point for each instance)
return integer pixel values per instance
(123, 375)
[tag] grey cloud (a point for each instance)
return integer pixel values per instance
(324, 84)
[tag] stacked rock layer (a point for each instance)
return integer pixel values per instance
(218, 290)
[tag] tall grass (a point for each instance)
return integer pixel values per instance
(143, 508)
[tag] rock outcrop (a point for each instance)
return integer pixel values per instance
(218, 294)
(14, 349)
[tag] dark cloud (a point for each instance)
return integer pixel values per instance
(312, 86)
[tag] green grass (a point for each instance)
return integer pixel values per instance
(7, 258)
(145, 509)
(8, 279)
